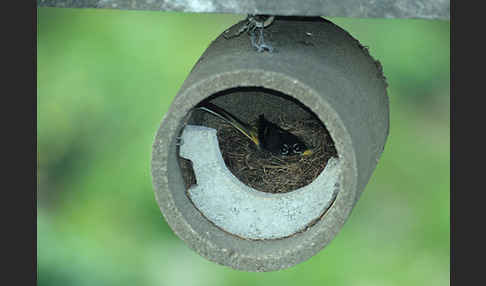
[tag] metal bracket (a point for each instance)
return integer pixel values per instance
(424, 9)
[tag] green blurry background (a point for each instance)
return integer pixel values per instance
(105, 78)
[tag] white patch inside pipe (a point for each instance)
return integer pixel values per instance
(242, 210)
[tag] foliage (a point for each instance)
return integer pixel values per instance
(105, 78)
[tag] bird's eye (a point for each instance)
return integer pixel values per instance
(298, 148)
(284, 149)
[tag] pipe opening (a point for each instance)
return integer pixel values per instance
(204, 198)
(252, 163)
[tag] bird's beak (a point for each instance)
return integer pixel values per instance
(307, 152)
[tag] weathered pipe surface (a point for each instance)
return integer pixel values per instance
(314, 62)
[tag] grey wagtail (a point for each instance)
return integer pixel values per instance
(266, 135)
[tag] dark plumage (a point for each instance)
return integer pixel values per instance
(266, 135)
(278, 141)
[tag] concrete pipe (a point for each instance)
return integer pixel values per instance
(313, 67)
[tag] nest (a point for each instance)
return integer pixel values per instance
(266, 172)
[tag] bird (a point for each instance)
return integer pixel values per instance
(265, 135)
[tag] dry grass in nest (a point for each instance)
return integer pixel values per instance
(266, 172)
(277, 174)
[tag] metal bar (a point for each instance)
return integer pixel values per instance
(424, 9)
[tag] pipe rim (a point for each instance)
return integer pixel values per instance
(301, 246)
